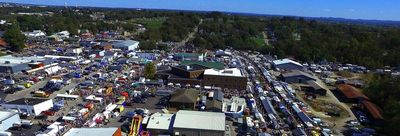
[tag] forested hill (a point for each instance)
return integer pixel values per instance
(306, 40)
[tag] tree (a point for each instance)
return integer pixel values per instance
(14, 38)
(150, 70)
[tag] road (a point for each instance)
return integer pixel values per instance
(190, 36)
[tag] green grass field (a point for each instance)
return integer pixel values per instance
(150, 23)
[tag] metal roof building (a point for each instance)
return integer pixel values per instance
(160, 123)
(125, 44)
(287, 64)
(7, 119)
(197, 123)
(113, 131)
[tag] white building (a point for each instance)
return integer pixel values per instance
(198, 123)
(112, 131)
(7, 119)
(234, 72)
(287, 64)
(159, 123)
(35, 33)
(125, 45)
(33, 106)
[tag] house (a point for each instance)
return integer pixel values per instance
(33, 106)
(197, 123)
(7, 119)
(287, 64)
(231, 78)
(125, 45)
(349, 94)
(160, 124)
(184, 99)
(296, 76)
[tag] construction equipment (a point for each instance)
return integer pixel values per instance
(135, 125)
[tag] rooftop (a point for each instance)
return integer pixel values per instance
(374, 110)
(350, 91)
(191, 67)
(123, 43)
(6, 114)
(200, 120)
(91, 131)
(235, 72)
(185, 96)
(12, 59)
(160, 121)
(294, 73)
(27, 101)
(285, 61)
(216, 65)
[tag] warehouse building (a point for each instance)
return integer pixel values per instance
(11, 64)
(296, 76)
(125, 45)
(33, 106)
(7, 119)
(197, 123)
(287, 64)
(231, 78)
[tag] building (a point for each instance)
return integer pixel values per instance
(11, 64)
(33, 106)
(214, 101)
(183, 74)
(35, 34)
(7, 119)
(314, 87)
(296, 76)
(287, 64)
(231, 78)
(349, 94)
(125, 45)
(197, 123)
(112, 131)
(188, 56)
(215, 65)
(184, 99)
(160, 124)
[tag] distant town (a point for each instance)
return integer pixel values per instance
(73, 71)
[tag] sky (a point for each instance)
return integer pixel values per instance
(352, 9)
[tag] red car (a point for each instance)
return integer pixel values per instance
(49, 113)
